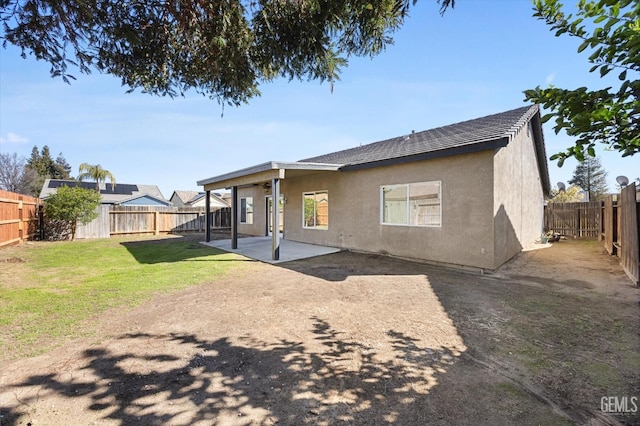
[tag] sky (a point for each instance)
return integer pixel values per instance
(474, 61)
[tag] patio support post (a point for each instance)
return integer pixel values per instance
(207, 219)
(234, 217)
(275, 211)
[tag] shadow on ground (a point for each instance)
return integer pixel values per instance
(178, 248)
(259, 382)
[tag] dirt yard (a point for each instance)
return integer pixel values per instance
(355, 339)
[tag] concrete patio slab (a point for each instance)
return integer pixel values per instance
(259, 248)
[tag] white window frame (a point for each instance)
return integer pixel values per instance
(248, 213)
(408, 221)
(314, 193)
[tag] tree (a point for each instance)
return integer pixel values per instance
(572, 194)
(610, 29)
(72, 205)
(61, 169)
(45, 167)
(40, 161)
(97, 173)
(220, 48)
(591, 177)
(15, 176)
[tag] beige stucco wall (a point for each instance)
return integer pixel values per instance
(518, 201)
(465, 237)
(259, 225)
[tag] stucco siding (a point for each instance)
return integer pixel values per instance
(464, 238)
(259, 225)
(518, 200)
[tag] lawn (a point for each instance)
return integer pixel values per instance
(51, 290)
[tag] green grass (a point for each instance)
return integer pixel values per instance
(63, 284)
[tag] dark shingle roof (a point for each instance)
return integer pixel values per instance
(492, 128)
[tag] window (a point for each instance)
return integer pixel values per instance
(246, 210)
(412, 204)
(315, 211)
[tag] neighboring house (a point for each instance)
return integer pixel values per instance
(197, 199)
(181, 198)
(119, 194)
(469, 194)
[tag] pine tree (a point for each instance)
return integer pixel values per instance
(591, 177)
(44, 167)
(46, 162)
(61, 169)
(34, 162)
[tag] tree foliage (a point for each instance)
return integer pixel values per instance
(573, 194)
(45, 167)
(15, 176)
(71, 205)
(96, 173)
(591, 177)
(610, 31)
(220, 48)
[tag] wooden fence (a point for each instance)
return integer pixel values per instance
(574, 219)
(129, 220)
(621, 230)
(616, 222)
(18, 217)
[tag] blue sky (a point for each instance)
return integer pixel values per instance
(475, 60)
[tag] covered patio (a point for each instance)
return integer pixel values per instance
(268, 175)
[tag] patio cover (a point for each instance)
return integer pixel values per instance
(271, 171)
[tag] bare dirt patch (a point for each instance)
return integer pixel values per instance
(353, 339)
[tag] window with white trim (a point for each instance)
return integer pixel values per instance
(315, 210)
(246, 210)
(411, 204)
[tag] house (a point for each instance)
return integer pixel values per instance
(468, 194)
(119, 194)
(182, 198)
(197, 199)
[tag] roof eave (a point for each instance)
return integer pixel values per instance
(541, 154)
(259, 170)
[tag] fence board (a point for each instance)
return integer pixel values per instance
(18, 217)
(629, 230)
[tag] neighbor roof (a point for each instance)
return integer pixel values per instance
(186, 196)
(119, 193)
(214, 198)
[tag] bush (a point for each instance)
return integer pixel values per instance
(68, 207)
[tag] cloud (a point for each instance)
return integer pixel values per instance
(550, 78)
(13, 138)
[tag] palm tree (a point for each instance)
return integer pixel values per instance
(97, 173)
